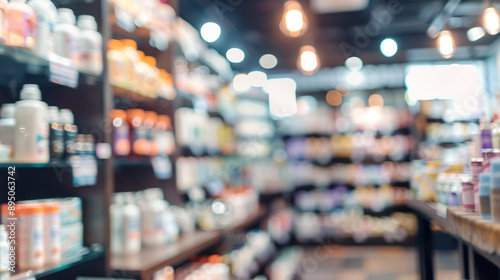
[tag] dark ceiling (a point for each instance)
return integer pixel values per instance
(253, 25)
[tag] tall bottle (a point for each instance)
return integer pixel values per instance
(67, 36)
(46, 15)
(90, 45)
(31, 131)
(131, 226)
(70, 132)
(7, 125)
(21, 24)
(56, 134)
(138, 132)
(116, 217)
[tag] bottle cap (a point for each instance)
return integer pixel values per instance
(115, 44)
(87, 22)
(135, 114)
(65, 15)
(484, 183)
(150, 115)
(31, 91)
(141, 55)
(151, 61)
(53, 115)
(165, 119)
(66, 116)
(129, 43)
(8, 111)
(118, 114)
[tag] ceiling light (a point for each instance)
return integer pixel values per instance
(210, 32)
(354, 63)
(388, 47)
(235, 55)
(446, 44)
(257, 78)
(294, 22)
(491, 21)
(241, 83)
(475, 33)
(308, 61)
(268, 61)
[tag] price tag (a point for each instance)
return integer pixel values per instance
(63, 71)
(162, 167)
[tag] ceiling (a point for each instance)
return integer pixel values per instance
(253, 25)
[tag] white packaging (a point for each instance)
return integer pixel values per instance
(67, 36)
(46, 14)
(90, 45)
(131, 227)
(31, 131)
(7, 125)
(71, 239)
(30, 237)
(152, 227)
(116, 217)
(52, 233)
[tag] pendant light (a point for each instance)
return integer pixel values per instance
(446, 44)
(491, 21)
(294, 22)
(308, 61)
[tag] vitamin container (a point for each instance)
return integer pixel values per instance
(52, 232)
(121, 141)
(484, 195)
(30, 235)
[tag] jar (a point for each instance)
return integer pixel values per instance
(117, 63)
(137, 132)
(150, 124)
(121, 141)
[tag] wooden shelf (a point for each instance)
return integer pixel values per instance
(150, 260)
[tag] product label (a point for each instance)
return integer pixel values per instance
(486, 139)
(53, 242)
(121, 142)
(21, 29)
(468, 195)
(63, 71)
(140, 141)
(42, 142)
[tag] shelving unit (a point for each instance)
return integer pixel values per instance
(150, 260)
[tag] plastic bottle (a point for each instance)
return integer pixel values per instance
(152, 223)
(116, 217)
(67, 36)
(30, 235)
(152, 77)
(166, 85)
(4, 253)
(21, 24)
(164, 137)
(484, 195)
(138, 132)
(56, 134)
(150, 124)
(3, 21)
(46, 15)
(131, 58)
(7, 125)
(141, 74)
(31, 133)
(495, 132)
(117, 63)
(121, 141)
(131, 226)
(70, 131)
(90, 45)
(52, 233)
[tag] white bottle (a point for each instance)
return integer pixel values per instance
(7, 125)
(4, 253)
(46, 15)
(21, 24)
(90, 45)
(67, 36)
(31, 131)
(131, 226)
(116, 216)
(152, 221)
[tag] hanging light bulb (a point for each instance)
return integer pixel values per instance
(491, 21)
(446, 44)
(294, 22)
(308, 61)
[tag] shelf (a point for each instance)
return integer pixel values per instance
(366, 211)
(17, 63)
(345, 160)
(127, 99)
(349, 241)
(88, 255)
(139, 161)
(150, 260)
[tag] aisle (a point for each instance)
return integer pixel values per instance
(371, 263)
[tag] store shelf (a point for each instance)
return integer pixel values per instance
(150, 260)
(346, 160)
(126, 161)
(17, 63)
(52, 271)
(366, 211)
(127, 99)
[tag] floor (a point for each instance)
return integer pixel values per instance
(371, 263)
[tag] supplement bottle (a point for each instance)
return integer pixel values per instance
(67, 36)
(56, 134)
(7, 125)
(31, 131)
(90, 45)
(70, 132)
(46, 15)
(121, 141)
(21, 25)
